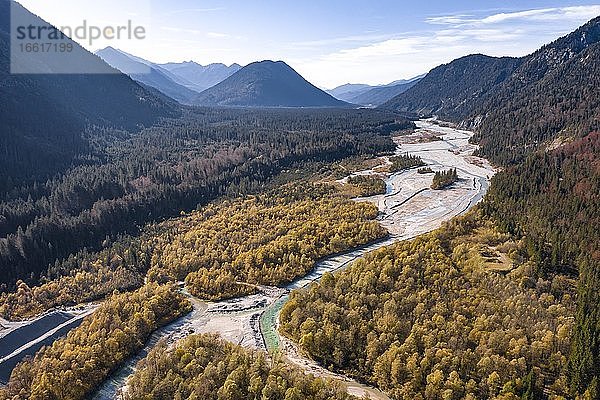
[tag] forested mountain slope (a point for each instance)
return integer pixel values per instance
(453, 90)
(553, 200)
(45, 116)
(517, 105)
(553, 95)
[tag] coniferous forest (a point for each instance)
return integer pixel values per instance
(443, 179)
(405, 161)
(131, 179)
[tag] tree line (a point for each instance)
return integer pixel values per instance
(207, 367)
(221, 250)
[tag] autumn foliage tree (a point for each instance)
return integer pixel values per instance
(72, 367)
(428, 319)
(209, 368)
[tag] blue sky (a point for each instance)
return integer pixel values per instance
(330, 42)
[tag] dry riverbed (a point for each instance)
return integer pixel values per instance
(409, 208)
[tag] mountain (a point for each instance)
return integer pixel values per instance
(201, 77)
(267, 84)
(148, 74)
(368, 95)
(517, 105)
(349, 91)
(553, 96)
(402, 81)
(450, 89)
(44, 116)
(380, 94)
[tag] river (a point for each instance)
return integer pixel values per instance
(409, 208)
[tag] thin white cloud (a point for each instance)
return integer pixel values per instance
(183, 30)
(342, 40)
(404, 46)
(522, 15)
(450, 19)
(216, 35)
(194, 10)
(407, 55)
(542, 14)
(476, 35)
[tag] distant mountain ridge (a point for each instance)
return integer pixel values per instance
(179, 81)
(349, 90)
(201, 77)
(380, 94)
(267, 84)
(368, 95)
(148, 74)
(259, 84)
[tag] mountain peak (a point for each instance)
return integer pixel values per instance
(148, 74)
(268, 63)
(267, 83)
(200, 76)
(552, 55)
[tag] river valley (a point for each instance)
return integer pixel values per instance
(407, 209)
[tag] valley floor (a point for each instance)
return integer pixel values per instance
(409, 208)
